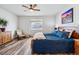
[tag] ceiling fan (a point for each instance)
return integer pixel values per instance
(31, 7)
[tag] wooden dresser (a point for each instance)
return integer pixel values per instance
(77, 46)
(5, 37)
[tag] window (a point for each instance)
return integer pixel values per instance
(37, 25)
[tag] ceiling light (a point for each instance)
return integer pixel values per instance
(31, 10)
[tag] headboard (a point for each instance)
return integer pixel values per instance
(75, 35)
(73, 29)
(68, 28)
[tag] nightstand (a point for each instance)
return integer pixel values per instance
(76, 46)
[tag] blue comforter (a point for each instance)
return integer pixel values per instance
(53, 44)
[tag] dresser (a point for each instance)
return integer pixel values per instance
(76, 46)
(5, 37)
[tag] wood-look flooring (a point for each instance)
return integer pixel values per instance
(15, 48)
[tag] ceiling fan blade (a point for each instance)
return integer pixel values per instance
(34, 5)
(25, 6)
(31, 7)
(36, 9)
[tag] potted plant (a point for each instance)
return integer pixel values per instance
(3, 24)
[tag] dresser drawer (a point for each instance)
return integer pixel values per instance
(1, 41)
(5, 37)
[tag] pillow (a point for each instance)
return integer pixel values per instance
(19, 32)
(54, 32)
(59, 34)
(65, 34)
(70, 34)
(62, 34)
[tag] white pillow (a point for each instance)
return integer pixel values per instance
(19, 32)
(70, 32)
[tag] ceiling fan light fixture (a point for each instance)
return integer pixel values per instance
(31, 7)
(31, 10)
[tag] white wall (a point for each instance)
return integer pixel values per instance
(25, 23)
(11, 18)
(75, 16)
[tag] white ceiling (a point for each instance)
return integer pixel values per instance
(45, 9)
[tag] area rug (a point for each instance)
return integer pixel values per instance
(13, 48)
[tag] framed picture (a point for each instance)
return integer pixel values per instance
(37, 25)
(67, 17)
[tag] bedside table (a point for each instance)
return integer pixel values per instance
(76, 46)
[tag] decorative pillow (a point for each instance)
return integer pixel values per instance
(54, 32)
(70, 34)
(65, 34)
(62, 34)
(59, 34)
(19, 32)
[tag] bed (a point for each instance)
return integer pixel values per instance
(56, 42)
